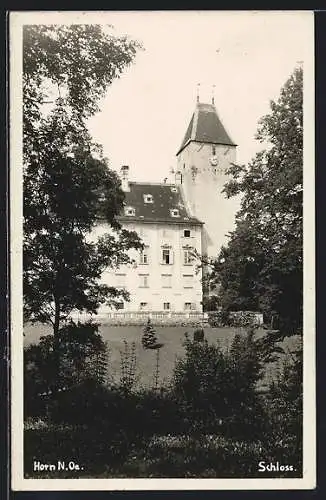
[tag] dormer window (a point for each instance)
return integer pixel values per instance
(130, 211)
(148, 198)
(174, 212)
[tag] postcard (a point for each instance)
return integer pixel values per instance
(162, 250)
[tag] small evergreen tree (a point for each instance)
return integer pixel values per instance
(149, 338)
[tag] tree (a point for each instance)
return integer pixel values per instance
(261, 266)
(68, 186)
(149, 338)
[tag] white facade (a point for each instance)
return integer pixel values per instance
(165, 277)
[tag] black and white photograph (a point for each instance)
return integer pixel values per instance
(162, 250)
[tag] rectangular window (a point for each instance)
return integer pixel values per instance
(167, 256)
(120, 280)
(186, 233)
(143, 306)
(120, 305)
(143, 281)
(187, 256)
(166, 280)
(166, 306)
(189, 306)
(213, 150)
(143, 259)
(188, 280)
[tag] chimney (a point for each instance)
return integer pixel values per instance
(178, 178)
(125, 177)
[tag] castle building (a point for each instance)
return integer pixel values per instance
(178, 222)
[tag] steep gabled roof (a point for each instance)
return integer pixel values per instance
(165, 197)
(205, 126)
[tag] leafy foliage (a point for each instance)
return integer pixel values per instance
(83, 358)
(261, 267)
(68, 186)
(284, 403)
(213, 420)
(214, 387)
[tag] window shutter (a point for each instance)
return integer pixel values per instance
(172, 256)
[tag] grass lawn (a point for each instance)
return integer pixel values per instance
(172, 337)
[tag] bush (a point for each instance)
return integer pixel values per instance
(83, 357)
(216, 390)
(284, 409)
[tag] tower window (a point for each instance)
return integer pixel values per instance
(148, 198)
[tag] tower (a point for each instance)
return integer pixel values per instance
(204, 156)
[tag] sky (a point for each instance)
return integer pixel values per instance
(247, 55)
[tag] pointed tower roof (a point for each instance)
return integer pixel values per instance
(205, 126)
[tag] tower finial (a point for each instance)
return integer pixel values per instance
(198, 88)
(213, 94)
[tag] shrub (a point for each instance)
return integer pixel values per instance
(199, 335)
(217, 389)
(149, 338)
(284, 408)
(83, 357)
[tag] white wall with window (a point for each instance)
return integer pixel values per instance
(188, 280)
(189, 306)
(188, 256)
(166, 280)
(144, 256)
(162, 272)
(167, 255)
(144, 281)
